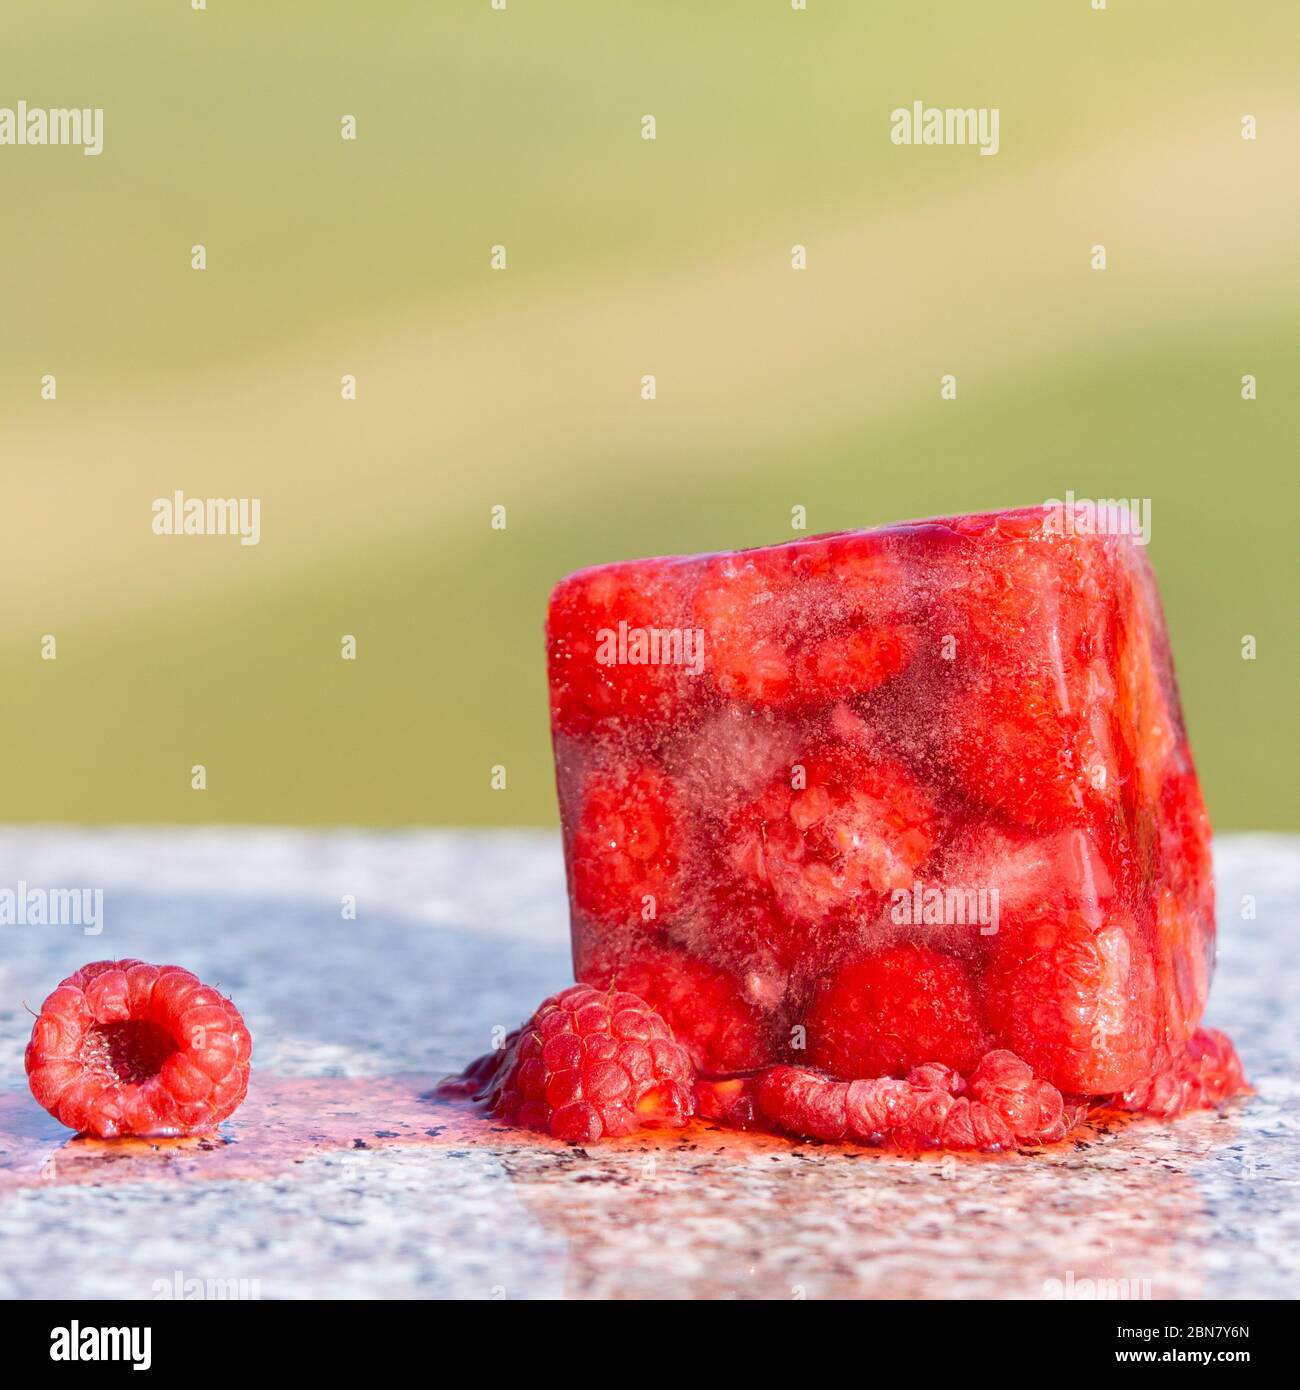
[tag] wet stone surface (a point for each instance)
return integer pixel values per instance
(342, 1176)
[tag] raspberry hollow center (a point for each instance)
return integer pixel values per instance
(129, 1053)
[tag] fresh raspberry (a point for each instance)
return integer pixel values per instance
(833, 835)
(1075, 996)
(882, 1014)
(702, 1004)
(1205, 1074)
(803, 622)
(624, 862)
(594, 1064)
(587, 687)
(125, 1048)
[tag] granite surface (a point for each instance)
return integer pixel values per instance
(343, 1177)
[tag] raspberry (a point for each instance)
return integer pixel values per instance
(1032, 1110)
(804, 1102)
(932, 1109)
(746, 929)
(1185, 843)
(1028, 732)
(624, 858)
(1184, 919)
(1076, 998)
(125, 1048)
(833, 835)
(591, 1065)
(882, 1014)
(1206, 1073)
(1065, 866)
(584, 617)
(854, 662)
(803, 622)
(970, 1124)
(731, 1101)
(702, 1004)
(1184, 961)
(1018, 753)
(877, 1107)
(1149, 727)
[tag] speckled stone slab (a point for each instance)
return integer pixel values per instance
(344, 1177)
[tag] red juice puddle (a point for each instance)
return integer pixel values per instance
(283, 1121)
(286, 1120)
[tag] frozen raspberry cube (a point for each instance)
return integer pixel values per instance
(876, 800)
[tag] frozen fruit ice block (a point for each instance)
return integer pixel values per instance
(866, 802)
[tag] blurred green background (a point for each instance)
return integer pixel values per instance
(478, 387)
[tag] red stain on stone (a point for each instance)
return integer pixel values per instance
(287, 1120)
(284, 1121)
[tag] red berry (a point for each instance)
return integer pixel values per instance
(1018, 752)
(883, 1014)
(1204, 1074)
(853, 663)
(833, 835)
(804, 1102)
(590, 681)
(931, 1109)
(1185, 845)
(1074, 994)
(970, 1124)
(745, 930)
(731, 1101)
(125, 1048)
(1149, 725)
(594, 1064)
(624, 860)
(1031, 1108)
(1184, 962)
(1066, 866)
(702, 1004)
(877, 1107)
(1028, 729)
(804, 622)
